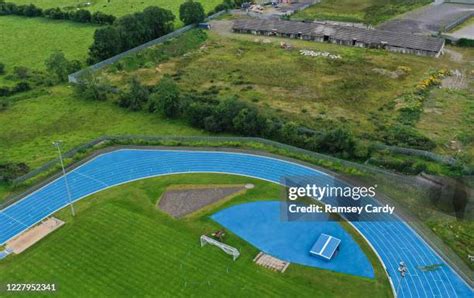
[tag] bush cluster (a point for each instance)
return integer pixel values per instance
(75, 15)
(406, 136)
(11, 171)
(19, 87)
(59, 67)
(130, 31)
(465, 43)
(406, 166)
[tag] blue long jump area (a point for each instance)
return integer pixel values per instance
(259, 224)
(394, 241)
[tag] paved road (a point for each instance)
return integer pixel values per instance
(393, 240)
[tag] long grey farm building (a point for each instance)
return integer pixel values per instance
(344, 35)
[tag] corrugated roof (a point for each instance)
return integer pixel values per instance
(341, 32)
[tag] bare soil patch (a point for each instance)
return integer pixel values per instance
(180, 201)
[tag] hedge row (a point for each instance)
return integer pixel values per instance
(77, 15)
(220, 115)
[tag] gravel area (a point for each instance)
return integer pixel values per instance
(180, 202)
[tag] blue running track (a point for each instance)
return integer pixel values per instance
(393, 240)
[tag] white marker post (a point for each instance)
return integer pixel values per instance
(57, 144)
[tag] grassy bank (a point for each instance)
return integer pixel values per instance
(30, 124)
(96, 254)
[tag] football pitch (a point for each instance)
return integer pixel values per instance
(96, 254)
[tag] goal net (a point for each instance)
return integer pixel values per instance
(226, 248)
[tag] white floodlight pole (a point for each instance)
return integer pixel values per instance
(57, 144)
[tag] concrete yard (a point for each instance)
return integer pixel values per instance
(464, 32)
(428, 19)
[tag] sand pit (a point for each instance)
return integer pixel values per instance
(33, 235)
(183, 200)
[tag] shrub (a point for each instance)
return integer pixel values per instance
(405, 166)
(55, 14)
(21, 72)
(11, 171)
(101, 18)
(465, 42)
(166, 98)
(80, 16)
(60, 67)
(29, 10)
(3, 105)
(337, 141)
(2, 68)
(92, 87)
(4, 91)
(136, 98)
(249, 122)
(402, 135)
(21, 87)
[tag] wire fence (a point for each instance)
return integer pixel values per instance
(183, 140)
(448, 160)
(74, 77)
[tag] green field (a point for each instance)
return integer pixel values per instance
(29, 41)
(96, 254)
(366, 11)
(118, 7)
(29, 126)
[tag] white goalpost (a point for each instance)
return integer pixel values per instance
(234, 252)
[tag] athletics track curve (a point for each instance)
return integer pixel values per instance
(393, 240)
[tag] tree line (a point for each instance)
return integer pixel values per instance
(206, 110)
(138, 28)
(77, 15)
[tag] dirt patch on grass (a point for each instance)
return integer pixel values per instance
(180, 201)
